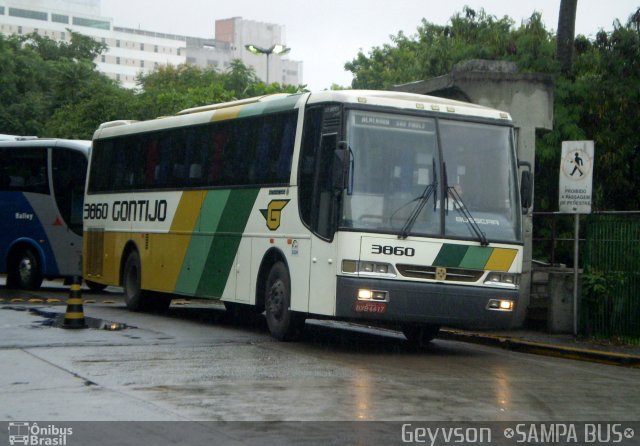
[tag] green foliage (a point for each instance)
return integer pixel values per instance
(605, 310)
(44, 83)
(170, 89)
(435, 49)
(53, 89)
(599, 102)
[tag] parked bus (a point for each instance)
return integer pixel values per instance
(385, 207)
(41, 195)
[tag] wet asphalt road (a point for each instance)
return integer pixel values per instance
(195, 364)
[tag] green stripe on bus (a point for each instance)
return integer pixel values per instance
(225, 243)
(476, 257)
(200, 245)
(450, 255)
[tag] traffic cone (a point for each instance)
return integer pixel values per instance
(74, 316)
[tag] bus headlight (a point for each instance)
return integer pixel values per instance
(368, 268)
(505, 280)
(376, 295)
(500, 305)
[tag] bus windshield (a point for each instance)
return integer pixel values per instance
(395, 184)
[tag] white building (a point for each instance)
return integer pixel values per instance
(131, 51)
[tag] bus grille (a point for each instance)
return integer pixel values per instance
(429, 272)
(95, 248)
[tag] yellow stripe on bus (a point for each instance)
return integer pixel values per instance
(501, 259)
(166, 254)
(226, 113)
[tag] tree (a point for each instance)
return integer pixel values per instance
(79, 119)
(39, 77)
(566, 33)
(598, 103)
(169, 89)
(435, 49)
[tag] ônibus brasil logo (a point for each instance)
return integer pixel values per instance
(31, 434)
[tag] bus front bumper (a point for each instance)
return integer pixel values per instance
(425, 303)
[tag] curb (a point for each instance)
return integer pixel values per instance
(539, 348)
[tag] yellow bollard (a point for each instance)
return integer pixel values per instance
(74, 316)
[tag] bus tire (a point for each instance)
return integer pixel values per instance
(95, 286)
(239, 312)
(25, 272)
(420, 335)
(134, 297)
(283, 323)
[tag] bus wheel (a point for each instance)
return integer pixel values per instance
(134, 296)
(283, 323)
(157, 302)
(420, 335)
(24, 271)
(95, 286)
(239, 312)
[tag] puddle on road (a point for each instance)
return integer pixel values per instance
(55, 319)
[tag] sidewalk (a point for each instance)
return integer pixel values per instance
(558, 345)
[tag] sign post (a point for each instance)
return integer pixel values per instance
(576, 174)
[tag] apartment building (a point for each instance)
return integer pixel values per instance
(134, 51)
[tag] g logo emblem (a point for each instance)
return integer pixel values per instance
(273, 212)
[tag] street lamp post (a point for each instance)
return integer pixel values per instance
(277, 49)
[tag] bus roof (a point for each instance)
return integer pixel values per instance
(75, 144)
(410, 101)
(282, 102)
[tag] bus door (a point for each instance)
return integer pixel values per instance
(324, 266)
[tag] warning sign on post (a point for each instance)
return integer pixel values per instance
(576, 170)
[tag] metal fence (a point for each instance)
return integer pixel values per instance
(610, 301)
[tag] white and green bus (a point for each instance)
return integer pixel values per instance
(382, 207)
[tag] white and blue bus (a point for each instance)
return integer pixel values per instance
(41, 196)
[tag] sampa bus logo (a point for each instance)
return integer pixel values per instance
(273, 212)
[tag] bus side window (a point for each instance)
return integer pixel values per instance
(27, 171)
(68, 171)
(216, 151)
(152, 166)
(261, 171)
(5, 179)
(285, 152)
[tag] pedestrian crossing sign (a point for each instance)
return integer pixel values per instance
(576, 172)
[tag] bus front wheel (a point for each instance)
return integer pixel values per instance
(24, 271)
(420, 335)
(283, 323)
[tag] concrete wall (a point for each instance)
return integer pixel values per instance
(528, 97)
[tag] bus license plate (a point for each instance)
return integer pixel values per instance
(371, 307)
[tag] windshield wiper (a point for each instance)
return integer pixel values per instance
(423, 199)
(462, 208)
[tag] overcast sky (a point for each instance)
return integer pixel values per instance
(324, 34)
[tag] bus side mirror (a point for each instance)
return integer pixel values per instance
(340, 167)
(526, 186)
